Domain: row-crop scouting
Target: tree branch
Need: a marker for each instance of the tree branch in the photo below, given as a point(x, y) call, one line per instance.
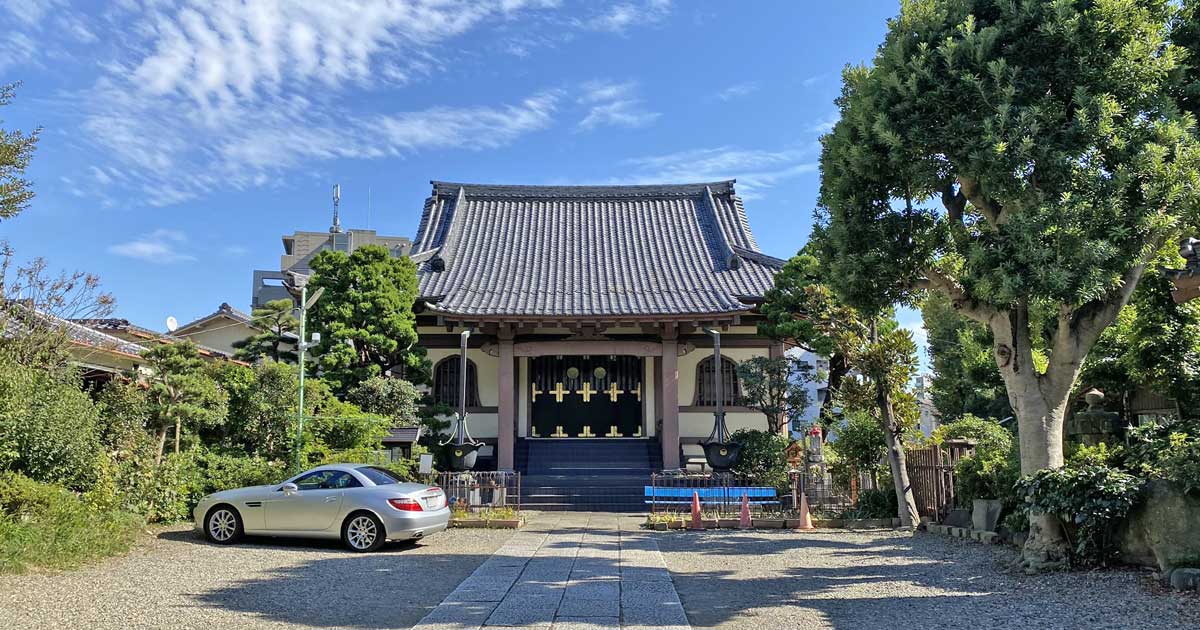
point(963, 303)
point(955, 203)
point(991, 211)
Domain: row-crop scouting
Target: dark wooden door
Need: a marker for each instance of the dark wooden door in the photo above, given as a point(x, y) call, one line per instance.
point(581, 396)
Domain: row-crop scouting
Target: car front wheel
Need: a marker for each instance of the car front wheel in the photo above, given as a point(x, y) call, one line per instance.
point(363, 532)
point(223, 525)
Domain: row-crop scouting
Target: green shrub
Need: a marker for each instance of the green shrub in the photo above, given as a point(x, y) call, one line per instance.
point(44, 525)
point(405, 467)
point(858, 446)
point(986, 477)
point(48, 426)
point(990, 438)
point(762, 460)
point(1088, 501)
point(1168, 450)
point(874, 504)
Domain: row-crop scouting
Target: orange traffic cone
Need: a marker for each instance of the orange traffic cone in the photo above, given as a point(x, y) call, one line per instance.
point(696, 511)
point(744, 520)
point(805, 518)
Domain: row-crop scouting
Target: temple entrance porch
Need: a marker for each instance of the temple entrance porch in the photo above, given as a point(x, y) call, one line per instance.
point(586, 397)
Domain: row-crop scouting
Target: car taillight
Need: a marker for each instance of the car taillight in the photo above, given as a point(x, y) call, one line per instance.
point(405, 504)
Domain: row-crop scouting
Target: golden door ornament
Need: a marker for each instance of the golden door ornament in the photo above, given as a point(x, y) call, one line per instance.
point(536, 391)
point(587, 391)
point(613, 392)
point(638, 391)
point(613, 432)
point(558, 432)
point(533, 431)
point(638, 432)
point(587, 432)
point(559, 392)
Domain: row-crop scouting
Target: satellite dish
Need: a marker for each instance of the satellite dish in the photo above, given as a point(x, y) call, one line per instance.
point(171, 323)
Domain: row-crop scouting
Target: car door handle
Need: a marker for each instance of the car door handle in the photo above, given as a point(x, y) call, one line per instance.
point(331, 499)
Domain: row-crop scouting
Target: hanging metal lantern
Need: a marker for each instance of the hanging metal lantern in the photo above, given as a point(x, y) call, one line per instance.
point(719, 451)
point(461, 449)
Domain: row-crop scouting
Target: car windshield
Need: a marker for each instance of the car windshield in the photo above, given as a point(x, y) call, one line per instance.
point(380, 476)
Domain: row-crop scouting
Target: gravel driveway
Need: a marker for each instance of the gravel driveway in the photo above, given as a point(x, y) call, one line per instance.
point(176, 580)
point(884, 579)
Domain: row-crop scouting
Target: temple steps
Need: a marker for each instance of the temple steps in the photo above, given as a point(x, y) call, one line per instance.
point(599, 475)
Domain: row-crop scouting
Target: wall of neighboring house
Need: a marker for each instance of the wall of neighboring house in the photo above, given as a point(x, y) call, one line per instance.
point(218, 333)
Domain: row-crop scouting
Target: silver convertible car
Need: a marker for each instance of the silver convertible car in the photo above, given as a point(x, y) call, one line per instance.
point(363, 505)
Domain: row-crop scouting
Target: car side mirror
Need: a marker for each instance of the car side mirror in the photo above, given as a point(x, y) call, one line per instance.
point(289, 488)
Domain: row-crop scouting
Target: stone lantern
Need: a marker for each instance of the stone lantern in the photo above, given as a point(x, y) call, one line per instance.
point(1095, 425)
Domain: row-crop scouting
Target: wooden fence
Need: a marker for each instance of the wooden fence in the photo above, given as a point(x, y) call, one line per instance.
point(931, 473)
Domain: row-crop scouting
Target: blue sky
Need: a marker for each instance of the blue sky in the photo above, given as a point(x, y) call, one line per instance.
point(181, 140)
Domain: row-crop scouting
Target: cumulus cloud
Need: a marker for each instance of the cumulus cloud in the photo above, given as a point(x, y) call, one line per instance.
point(159, 247)
point(738, 90)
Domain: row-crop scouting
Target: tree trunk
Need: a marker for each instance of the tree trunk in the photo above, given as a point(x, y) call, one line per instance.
point(162, 444)
point(1040, 403)
point(178, 424)
point(907, 504)
point(837, 372)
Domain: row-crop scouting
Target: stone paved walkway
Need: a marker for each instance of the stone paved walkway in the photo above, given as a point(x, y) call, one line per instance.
point(567, 572)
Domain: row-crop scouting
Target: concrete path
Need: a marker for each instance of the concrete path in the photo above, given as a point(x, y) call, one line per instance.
point(567, 572)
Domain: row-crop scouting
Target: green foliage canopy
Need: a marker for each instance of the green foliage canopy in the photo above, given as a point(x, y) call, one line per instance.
point(278, 325)
point(16, 149)
point(365, 318)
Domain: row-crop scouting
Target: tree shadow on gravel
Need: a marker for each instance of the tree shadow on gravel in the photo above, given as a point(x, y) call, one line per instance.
point(290, 544)
point(378, 590)
point(887, 582)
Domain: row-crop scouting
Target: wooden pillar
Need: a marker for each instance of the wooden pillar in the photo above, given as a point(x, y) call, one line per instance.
point(507, 408)
point(670, 398)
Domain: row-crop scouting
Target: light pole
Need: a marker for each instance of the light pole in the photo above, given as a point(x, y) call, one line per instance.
point(298, 287)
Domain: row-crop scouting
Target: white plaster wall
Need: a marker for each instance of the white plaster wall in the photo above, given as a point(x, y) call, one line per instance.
point(689, 361)
point(221, 334)
point(487, 370)
point(699, 424)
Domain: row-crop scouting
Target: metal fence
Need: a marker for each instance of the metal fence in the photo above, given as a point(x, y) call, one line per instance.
point(475, 491)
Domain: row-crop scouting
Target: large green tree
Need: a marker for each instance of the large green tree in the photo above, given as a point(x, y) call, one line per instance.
point(806, 312)
point(1021, 158)
point(16, 148)
point(365, 318)
point(277, 325)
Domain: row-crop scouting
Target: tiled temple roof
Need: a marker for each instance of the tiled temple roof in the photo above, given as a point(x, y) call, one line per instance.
point(588, 251)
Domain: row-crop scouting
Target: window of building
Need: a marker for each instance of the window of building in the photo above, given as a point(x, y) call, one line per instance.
point(706, 384)
point(445, 382)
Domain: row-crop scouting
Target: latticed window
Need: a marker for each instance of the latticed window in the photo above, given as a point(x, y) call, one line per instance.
point(706, 383)
point(445, 382)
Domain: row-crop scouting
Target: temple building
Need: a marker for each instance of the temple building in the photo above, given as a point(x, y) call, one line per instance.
point(588, 308)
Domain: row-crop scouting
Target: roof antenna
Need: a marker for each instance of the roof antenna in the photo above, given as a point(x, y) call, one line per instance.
point(336, 228)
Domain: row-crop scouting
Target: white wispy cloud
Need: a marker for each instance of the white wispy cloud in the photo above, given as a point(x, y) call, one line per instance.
point(159, 247)
point(756, 170)
point(813, 80)
point(620, 17)
point(824, 124)
point(614, 105)
point(738, 90)
point(227, 94)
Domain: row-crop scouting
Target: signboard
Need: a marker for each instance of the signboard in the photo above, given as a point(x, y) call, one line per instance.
point(425, 465)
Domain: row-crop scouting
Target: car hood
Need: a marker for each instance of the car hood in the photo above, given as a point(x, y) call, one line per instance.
point(241, 493)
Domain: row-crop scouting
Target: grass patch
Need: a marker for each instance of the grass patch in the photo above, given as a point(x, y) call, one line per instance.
point(45, 526)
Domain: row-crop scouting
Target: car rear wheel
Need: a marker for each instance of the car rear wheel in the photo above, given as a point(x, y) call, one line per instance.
point(223, 525)
point(363, 531)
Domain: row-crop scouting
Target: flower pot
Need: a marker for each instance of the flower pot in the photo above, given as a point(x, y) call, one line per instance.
point(662, 527)
point(710, 523)
point(985, 514)
point(470, 523)
point(504, 523)
point(768, 523)
point(727, 523)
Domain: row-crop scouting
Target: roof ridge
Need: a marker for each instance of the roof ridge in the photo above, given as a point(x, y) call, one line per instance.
point(446, 189)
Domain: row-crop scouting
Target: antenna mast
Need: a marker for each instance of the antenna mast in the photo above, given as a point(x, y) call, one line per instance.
point(336, 228)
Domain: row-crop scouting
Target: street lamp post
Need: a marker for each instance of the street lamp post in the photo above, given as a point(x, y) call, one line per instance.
point(298, 287)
